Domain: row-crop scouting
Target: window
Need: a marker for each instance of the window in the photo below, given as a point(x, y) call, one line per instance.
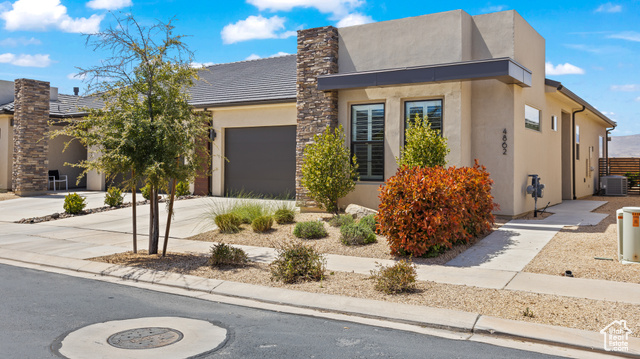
point(367, 140)
point(554, 123)
point(531, 118)
point(577, 142)
point(600, 147)
point(432, 108)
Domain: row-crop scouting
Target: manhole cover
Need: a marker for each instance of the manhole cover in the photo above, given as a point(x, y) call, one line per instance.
point(145, 338)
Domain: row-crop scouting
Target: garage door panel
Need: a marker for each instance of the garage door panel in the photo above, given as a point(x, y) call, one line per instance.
point(261, 160)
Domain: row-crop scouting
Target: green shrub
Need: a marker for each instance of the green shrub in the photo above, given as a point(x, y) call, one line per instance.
point(74, 203)
point(424, 210)
point(182, 189)
point(284, 216)
point(310, 230)
point(328, 170)
point(340, 220)
point(356, 234)
point(248, 210)
point(398, 278)
point(368, 221)
point(262, 224)
point(296, 262)
point(226, 255)
point(424, 147)
point(113, 197)
point(146, 191)
point(228, 222)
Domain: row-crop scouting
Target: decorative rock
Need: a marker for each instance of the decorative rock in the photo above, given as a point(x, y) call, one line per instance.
point(358, 211)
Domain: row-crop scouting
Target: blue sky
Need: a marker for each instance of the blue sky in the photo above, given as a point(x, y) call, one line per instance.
point(593, 47)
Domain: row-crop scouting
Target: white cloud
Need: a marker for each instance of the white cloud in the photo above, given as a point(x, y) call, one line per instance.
point(625, 88)
point(198, 65)
point(627, 35)
point(609, 7)
point(109, 4)
point(74, 76)
point(354, 19)
point(339, 8)
point(606, 113)
point(562, 69)
point(637, 99)
point(255, 57)
point(19, 41)
point(493, 8)
point(41, 15)
point(255, 27)
point(23, 60)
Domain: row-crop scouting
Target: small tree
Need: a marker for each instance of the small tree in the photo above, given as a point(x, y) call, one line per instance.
point(328, 170)
point(424, 147)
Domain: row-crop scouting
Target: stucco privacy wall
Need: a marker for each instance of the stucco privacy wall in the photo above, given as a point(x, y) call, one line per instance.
point(31, 116)
point(75, 153)
point(6, 151)
point(243, 116)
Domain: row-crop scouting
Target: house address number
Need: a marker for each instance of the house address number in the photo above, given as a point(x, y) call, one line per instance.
point(504, 141)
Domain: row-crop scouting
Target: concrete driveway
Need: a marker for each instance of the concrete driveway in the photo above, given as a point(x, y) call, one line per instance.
point(100, 233)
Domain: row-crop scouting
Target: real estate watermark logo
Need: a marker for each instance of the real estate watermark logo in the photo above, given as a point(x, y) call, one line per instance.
point(616, 336)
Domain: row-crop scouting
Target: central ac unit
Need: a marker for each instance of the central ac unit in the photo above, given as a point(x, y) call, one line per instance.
point(614, 185)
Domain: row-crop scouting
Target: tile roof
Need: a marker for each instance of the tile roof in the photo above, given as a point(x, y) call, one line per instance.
point(256, 81)
point(269, 79)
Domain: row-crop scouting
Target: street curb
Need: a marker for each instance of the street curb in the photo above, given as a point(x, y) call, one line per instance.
point(436, 318)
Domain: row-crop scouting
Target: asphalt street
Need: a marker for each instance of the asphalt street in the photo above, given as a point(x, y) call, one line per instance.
point(39, 308)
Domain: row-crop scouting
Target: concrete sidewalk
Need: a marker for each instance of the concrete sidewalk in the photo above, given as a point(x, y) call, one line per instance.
point(68, 243)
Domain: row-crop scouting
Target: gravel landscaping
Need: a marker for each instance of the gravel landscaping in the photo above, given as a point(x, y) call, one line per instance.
point(575, 313)
point(575, 248)
point(7, 195)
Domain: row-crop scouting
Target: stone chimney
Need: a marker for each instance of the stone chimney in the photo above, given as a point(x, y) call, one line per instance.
point(30, 145)
point(317, 55)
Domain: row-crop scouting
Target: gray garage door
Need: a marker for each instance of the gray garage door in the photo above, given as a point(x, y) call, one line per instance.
point(261, 160)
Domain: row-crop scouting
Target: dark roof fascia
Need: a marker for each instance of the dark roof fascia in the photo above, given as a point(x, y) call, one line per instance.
point(565, 91)
point(243, 103)
point(504, 69)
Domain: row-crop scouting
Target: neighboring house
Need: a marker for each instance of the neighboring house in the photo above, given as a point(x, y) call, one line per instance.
point(480, 79)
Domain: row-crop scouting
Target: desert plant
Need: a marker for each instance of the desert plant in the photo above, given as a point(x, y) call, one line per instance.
point(262, 224)
point(182, 189)
point(74, 203)
point(368, 221)
point(146, 191)
point(398, 278)
point(424, 147)
point(228, 222)
point(225, 255)
point(340, 220)
point(356, 234)
point(284, 216)
point(296, 262)
point(528, 313)
point(328, 170)
point(310, 230)
point(113, 197)
point(248, 210)
point(425, 209)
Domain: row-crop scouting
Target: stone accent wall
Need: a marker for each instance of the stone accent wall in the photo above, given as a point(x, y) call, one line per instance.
point(317, 55)
point(30, 146)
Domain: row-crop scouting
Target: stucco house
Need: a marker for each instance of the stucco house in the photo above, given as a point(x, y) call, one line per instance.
point(479, 79)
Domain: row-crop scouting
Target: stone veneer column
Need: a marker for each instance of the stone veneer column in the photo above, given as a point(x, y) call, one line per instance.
point(317, 55)
point(30, 145)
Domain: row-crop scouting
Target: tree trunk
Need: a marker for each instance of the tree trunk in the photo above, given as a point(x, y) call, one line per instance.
point(154, 233)
point(166, 233)
point(133, 207)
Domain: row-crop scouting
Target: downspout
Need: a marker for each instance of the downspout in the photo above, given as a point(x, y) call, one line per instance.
point(573, 151)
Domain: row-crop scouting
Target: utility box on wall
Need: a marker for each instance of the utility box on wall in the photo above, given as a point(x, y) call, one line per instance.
point(629, 239)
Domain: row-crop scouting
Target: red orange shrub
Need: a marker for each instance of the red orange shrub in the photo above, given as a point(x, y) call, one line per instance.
point(423, 210)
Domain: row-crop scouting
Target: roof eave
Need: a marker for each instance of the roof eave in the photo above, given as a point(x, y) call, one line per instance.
point(565, 91)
